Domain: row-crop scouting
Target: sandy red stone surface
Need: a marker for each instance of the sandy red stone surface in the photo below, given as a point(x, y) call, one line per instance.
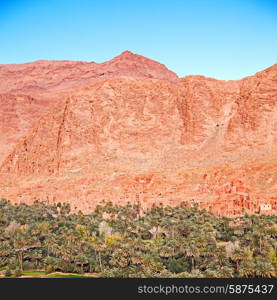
point(130, 130)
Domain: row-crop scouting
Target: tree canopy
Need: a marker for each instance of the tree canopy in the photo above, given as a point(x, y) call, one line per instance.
point(113, 241)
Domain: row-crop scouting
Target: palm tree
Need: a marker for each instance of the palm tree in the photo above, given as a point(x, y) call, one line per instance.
point(237, 256)
point(247, 269)
point(192, 253)
point(264, 269)
point(98, 248)
point(225, 272)
point(81, 259)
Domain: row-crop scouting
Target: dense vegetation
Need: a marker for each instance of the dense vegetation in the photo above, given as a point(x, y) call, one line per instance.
point(113, 241)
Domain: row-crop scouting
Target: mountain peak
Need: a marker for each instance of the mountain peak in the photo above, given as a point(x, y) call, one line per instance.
point(127, 52)
point(135, 65)
point(129, 55)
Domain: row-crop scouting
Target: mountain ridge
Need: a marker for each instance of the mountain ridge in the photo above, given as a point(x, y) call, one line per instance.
point(192, 139)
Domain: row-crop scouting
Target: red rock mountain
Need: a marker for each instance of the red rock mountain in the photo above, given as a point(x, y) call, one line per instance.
point(131, 130)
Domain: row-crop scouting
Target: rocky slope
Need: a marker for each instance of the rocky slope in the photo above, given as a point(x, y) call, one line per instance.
point(139, 133)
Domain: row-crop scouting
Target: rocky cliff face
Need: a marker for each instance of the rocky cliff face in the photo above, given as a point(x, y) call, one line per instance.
point(139, 133)
point(18, 113)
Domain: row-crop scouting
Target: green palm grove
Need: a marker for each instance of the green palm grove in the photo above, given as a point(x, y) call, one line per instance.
point(165, 242)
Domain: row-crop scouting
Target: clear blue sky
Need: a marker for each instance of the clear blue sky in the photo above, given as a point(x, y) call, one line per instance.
point(225, 39)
